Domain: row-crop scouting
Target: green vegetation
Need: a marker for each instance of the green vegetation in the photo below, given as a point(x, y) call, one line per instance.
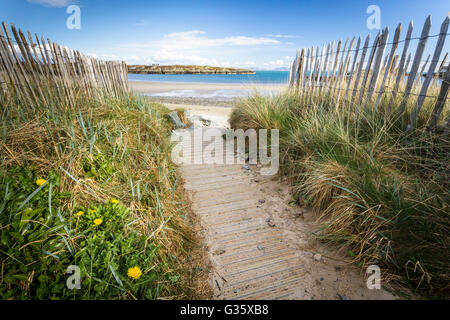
point(92, 186)
point(378, 191)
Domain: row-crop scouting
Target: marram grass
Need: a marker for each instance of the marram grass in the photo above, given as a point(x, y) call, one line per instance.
point(379, 191)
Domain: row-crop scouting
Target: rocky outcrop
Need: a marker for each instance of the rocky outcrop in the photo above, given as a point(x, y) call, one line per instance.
point(179, 69)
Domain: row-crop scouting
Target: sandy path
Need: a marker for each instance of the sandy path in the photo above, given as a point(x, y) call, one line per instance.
point(259, 242)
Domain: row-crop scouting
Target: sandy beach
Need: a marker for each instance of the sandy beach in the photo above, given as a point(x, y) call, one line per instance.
point(150, 87)
point(200, 94)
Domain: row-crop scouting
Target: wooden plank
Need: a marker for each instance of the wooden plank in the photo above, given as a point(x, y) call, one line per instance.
point(30, 74)
point(429, 76)
point(299, 70)
point(305, 75)
point(344, 71)
point(359, 72)
point(313, 79)
point(319, 72)
point(366, 73)
point(331, 83)
point(377, 65)
point(307, 72)
point(339, 70)
point(12, 72)
point(439, 106)
point(402, 67)
point(16, 62)
point(389, 63)
point(52, 69)
point(125, 75)
point(441, 66)
point(352, 70)
point(20, 38)
point(311, 72)
point(416, 62)
point(325, 70)
point(291, 74)
point(59, 71)
point(40, 64)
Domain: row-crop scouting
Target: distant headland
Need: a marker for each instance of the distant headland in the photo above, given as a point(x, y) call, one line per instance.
point(182, 69)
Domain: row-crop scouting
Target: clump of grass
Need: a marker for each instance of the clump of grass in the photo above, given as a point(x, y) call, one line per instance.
point(378, 190)
point(102, 149)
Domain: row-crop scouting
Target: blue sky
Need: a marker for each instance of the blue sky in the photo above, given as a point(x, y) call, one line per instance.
point(255, 34)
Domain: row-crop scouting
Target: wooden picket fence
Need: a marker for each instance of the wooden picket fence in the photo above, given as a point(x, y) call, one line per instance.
point(363, 77)
point(36, 73)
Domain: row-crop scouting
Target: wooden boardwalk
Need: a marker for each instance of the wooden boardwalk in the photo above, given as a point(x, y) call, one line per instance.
point(251, 258)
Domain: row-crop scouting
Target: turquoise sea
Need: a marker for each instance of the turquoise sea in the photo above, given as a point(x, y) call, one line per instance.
point(266, 77)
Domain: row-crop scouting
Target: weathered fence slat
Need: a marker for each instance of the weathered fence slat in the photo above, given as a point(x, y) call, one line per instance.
point(349, 80)
point(344, 70)
point(377, 65)
point(35, 72)
point(368, 66)
point(443, 93)
point(389, 62)
point(401, 67)
point(325, 69)
point(429, 76)
point(381, 77)
point(358, 74)
point(416, 62)
point(339, 70)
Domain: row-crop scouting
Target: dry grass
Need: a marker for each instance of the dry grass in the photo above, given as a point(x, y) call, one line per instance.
point(113, 148)
point(377, 190)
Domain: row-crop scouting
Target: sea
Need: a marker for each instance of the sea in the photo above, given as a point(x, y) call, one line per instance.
point(260, 77)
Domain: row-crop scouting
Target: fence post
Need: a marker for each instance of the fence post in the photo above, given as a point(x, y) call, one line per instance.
point(439, 106)
point(429, 76)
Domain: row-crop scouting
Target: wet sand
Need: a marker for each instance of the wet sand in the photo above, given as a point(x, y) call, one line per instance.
point(150, 87)
point(199, 94)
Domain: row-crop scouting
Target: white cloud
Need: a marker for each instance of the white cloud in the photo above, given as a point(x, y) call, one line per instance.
point(280, 36)
point(198, 48)
point(195, 39)
point(191, 47)
point(54, 3)
point(279, 64)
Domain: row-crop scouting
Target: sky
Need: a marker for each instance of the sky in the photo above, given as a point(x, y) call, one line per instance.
point(260, 35)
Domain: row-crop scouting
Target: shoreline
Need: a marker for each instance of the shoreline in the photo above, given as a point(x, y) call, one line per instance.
point(199, 93)
point(146, 86)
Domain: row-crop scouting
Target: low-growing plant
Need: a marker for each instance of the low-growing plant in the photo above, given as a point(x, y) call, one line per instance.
point(103, 195)
point(39, 242)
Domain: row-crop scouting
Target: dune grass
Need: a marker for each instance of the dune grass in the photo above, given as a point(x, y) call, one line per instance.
point(379, 192)
point(93, 186)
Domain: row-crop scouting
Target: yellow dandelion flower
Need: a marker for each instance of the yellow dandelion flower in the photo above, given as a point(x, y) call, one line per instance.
point(134, 272)
point(79, 213)
point(40, 182)
point(115, 201)
point(97, 222)
point(92, 211)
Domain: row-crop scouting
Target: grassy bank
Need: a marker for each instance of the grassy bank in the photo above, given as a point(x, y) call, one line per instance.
point(92, 186)
point(379, 193)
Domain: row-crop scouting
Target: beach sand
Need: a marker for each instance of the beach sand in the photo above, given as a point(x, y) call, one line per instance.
point(216, 109)
point(147, 87)
point(199, 94)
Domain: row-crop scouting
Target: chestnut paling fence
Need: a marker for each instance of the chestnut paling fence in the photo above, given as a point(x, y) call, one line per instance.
point(364, 76)
point(35, 72)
